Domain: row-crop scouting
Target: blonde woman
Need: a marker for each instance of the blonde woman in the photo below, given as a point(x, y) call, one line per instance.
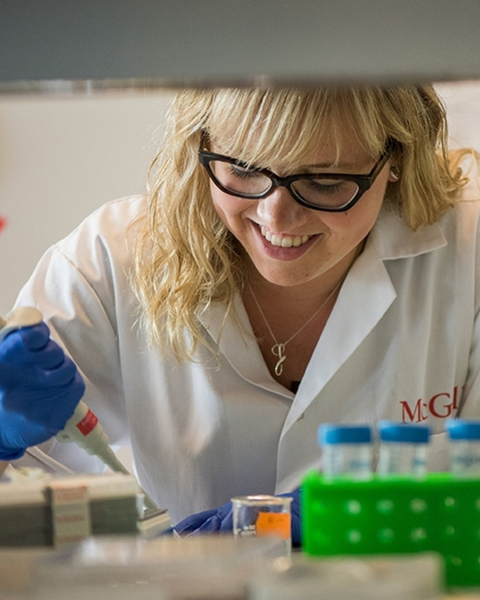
point(304, 256)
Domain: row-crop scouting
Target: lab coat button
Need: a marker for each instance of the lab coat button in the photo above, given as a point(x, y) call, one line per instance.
point(300, 418)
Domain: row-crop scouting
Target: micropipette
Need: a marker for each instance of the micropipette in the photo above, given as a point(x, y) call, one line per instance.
point(24, 316)
point(83, 427)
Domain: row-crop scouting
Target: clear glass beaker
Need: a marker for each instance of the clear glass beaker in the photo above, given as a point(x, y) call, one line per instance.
point(263, 515)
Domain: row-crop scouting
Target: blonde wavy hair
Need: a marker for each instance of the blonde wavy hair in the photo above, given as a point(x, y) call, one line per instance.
point(185, 258)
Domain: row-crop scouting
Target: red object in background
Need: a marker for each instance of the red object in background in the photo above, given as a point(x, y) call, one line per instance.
point(3, 222)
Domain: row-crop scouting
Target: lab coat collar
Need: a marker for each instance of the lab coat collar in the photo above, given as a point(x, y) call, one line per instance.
point(364, 298)
point(392, 238)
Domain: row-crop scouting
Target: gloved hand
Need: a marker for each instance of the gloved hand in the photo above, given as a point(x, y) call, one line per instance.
point(39, 390)
point(220, 520)
point(208, 521)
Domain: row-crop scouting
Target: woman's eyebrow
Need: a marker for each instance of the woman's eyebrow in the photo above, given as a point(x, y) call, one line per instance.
point(331, 165)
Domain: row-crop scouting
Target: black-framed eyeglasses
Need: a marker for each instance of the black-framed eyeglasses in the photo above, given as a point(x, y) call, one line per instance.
point(329, 192)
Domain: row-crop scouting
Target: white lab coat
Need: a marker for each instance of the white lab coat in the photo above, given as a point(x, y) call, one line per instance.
point(402, 343)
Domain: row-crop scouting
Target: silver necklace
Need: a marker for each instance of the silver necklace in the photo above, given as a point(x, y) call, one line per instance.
point(278, 349)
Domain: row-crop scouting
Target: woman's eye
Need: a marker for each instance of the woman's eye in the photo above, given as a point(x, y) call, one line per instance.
point(322, 186)
point(243, 172)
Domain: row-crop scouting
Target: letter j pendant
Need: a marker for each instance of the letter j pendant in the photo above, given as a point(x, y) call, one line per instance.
point(279, 350)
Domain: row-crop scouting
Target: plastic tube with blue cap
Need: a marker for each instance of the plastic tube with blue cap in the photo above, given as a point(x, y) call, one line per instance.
point(346, 451)
point(403, 449)
point(464, 439)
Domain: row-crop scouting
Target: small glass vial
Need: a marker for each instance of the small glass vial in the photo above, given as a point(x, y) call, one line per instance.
point(403, 449)
point(346, 451)
point(464, 439)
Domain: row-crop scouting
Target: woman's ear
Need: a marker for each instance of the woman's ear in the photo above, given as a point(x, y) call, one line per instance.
point(394, 175)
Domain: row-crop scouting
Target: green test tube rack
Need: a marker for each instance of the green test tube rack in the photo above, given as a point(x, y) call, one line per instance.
point(396, 515)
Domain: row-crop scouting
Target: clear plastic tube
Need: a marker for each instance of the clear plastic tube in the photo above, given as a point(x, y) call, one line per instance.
point(403, 449)
point(464, 439)
point(346, 451)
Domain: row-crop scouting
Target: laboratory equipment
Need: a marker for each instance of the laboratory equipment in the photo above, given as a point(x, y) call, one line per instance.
point(24, 316)
point(464, 439)
point(346, 450)
point(396, 515)
point(393, 578)
point(118, 567)
point(403, 449)
point(263, 515)
point(51, 511)
point(81, 46)
point(84, 429)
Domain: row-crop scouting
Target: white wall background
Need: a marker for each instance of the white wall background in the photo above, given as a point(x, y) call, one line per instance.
point(462, 100)
point(62, 157)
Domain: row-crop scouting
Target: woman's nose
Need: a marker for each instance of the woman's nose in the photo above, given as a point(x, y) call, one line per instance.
point(281, 211)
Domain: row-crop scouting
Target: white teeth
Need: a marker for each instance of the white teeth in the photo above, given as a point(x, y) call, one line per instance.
point(275, 240)
point(284, 242)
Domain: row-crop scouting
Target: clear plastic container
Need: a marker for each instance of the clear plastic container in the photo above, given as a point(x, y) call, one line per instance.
point(346, 450)
point(464, 439)
point(403, 449)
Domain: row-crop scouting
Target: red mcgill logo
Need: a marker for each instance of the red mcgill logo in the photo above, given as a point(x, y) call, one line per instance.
point(440, 406)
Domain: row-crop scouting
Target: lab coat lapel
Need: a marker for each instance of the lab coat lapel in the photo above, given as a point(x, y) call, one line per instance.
point(364, 298)
point(367, 285)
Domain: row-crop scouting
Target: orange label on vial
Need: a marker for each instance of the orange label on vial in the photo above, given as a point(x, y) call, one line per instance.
point(274, 524)
point(88, 422)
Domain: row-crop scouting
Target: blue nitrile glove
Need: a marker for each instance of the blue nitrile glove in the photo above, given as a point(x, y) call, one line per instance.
point(39, 389)
point(220, 520)
point(208, 521)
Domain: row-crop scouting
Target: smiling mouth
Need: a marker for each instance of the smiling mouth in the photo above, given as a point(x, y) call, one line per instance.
point(284, 241)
